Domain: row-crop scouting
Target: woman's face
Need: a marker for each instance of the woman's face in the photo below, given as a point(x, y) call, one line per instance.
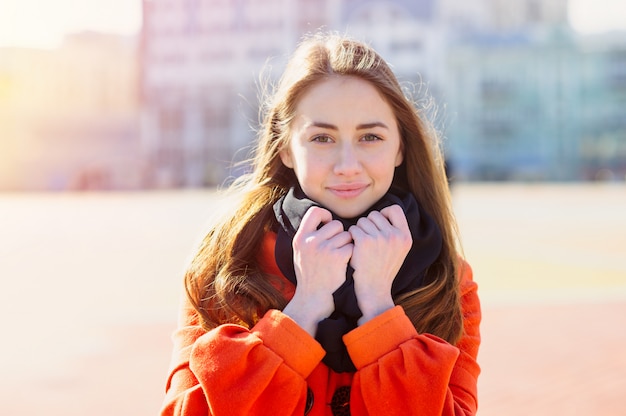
point(344, 145)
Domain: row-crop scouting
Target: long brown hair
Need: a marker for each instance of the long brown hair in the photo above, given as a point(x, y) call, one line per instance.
point(225, 282)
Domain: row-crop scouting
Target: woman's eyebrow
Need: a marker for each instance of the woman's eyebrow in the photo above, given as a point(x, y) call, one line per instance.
point(367, 126)
point(322, 125)
point(364, 126)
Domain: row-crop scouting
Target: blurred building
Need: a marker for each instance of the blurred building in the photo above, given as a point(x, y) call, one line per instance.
point(201, 61)
point(407, 33)
point(516, 106)
point(68, 116)
point(536, 103)
point(603, 115)
point(196, 59)
point(501, 16)
point(529, 99)
point(510, 89)
point(520, 95)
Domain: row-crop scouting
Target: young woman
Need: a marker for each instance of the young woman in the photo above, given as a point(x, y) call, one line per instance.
point(334, 287)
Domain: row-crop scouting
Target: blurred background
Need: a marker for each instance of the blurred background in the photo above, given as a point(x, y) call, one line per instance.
point(119, 118)
point(164, 93)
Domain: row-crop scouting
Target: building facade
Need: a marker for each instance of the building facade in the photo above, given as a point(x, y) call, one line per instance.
point(204, 63)
point(518, 95)
point(603, 116)
point(199, 85)
point(515, 107)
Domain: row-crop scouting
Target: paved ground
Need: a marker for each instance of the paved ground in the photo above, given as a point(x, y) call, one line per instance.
point(89, 286)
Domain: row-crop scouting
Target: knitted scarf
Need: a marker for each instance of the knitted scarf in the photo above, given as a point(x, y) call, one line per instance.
point(427, 241)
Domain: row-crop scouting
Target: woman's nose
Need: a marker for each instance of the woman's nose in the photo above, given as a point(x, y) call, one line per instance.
point(347, 161)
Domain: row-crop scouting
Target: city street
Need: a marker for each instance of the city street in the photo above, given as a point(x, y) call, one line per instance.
point(89, 287)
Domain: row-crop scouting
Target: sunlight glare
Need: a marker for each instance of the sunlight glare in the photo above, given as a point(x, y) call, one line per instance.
point(596, 16)
point(43, 24)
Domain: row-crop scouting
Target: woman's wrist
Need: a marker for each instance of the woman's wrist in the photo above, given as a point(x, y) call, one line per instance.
point(307, 312)
point(372, 306)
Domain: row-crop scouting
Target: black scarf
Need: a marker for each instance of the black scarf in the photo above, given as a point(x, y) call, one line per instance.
point(427, 240)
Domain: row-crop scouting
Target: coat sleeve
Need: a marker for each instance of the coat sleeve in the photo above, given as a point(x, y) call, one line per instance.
point(406, 373)
point(231, 370)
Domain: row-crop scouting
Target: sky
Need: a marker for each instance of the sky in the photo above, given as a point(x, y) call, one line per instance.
point(43, 23)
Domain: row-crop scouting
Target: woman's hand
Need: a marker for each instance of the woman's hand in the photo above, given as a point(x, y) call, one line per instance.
point(320, 258)
point(381, 242)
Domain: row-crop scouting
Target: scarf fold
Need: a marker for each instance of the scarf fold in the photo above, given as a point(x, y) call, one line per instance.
point(426, 247)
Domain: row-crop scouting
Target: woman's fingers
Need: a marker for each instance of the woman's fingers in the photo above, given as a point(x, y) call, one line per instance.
point(322, 249)
point(381, 243)
point(313, 218)
point(396, 217)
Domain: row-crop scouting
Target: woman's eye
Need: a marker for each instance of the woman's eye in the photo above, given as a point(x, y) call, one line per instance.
point(370, 138)
point(322, 139)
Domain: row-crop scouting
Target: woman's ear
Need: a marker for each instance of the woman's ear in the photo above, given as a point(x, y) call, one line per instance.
point(285, 156)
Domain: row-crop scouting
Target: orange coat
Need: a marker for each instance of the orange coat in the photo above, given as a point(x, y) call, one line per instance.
point(266, 370)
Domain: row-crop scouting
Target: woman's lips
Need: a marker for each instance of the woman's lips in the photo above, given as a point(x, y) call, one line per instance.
point(347, 191)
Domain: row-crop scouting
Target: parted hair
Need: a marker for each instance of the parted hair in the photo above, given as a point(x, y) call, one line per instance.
point(225, 282)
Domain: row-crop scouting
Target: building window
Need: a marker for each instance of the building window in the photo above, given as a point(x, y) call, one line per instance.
point(216, 117)
point(170, 120)
point(496, 92)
